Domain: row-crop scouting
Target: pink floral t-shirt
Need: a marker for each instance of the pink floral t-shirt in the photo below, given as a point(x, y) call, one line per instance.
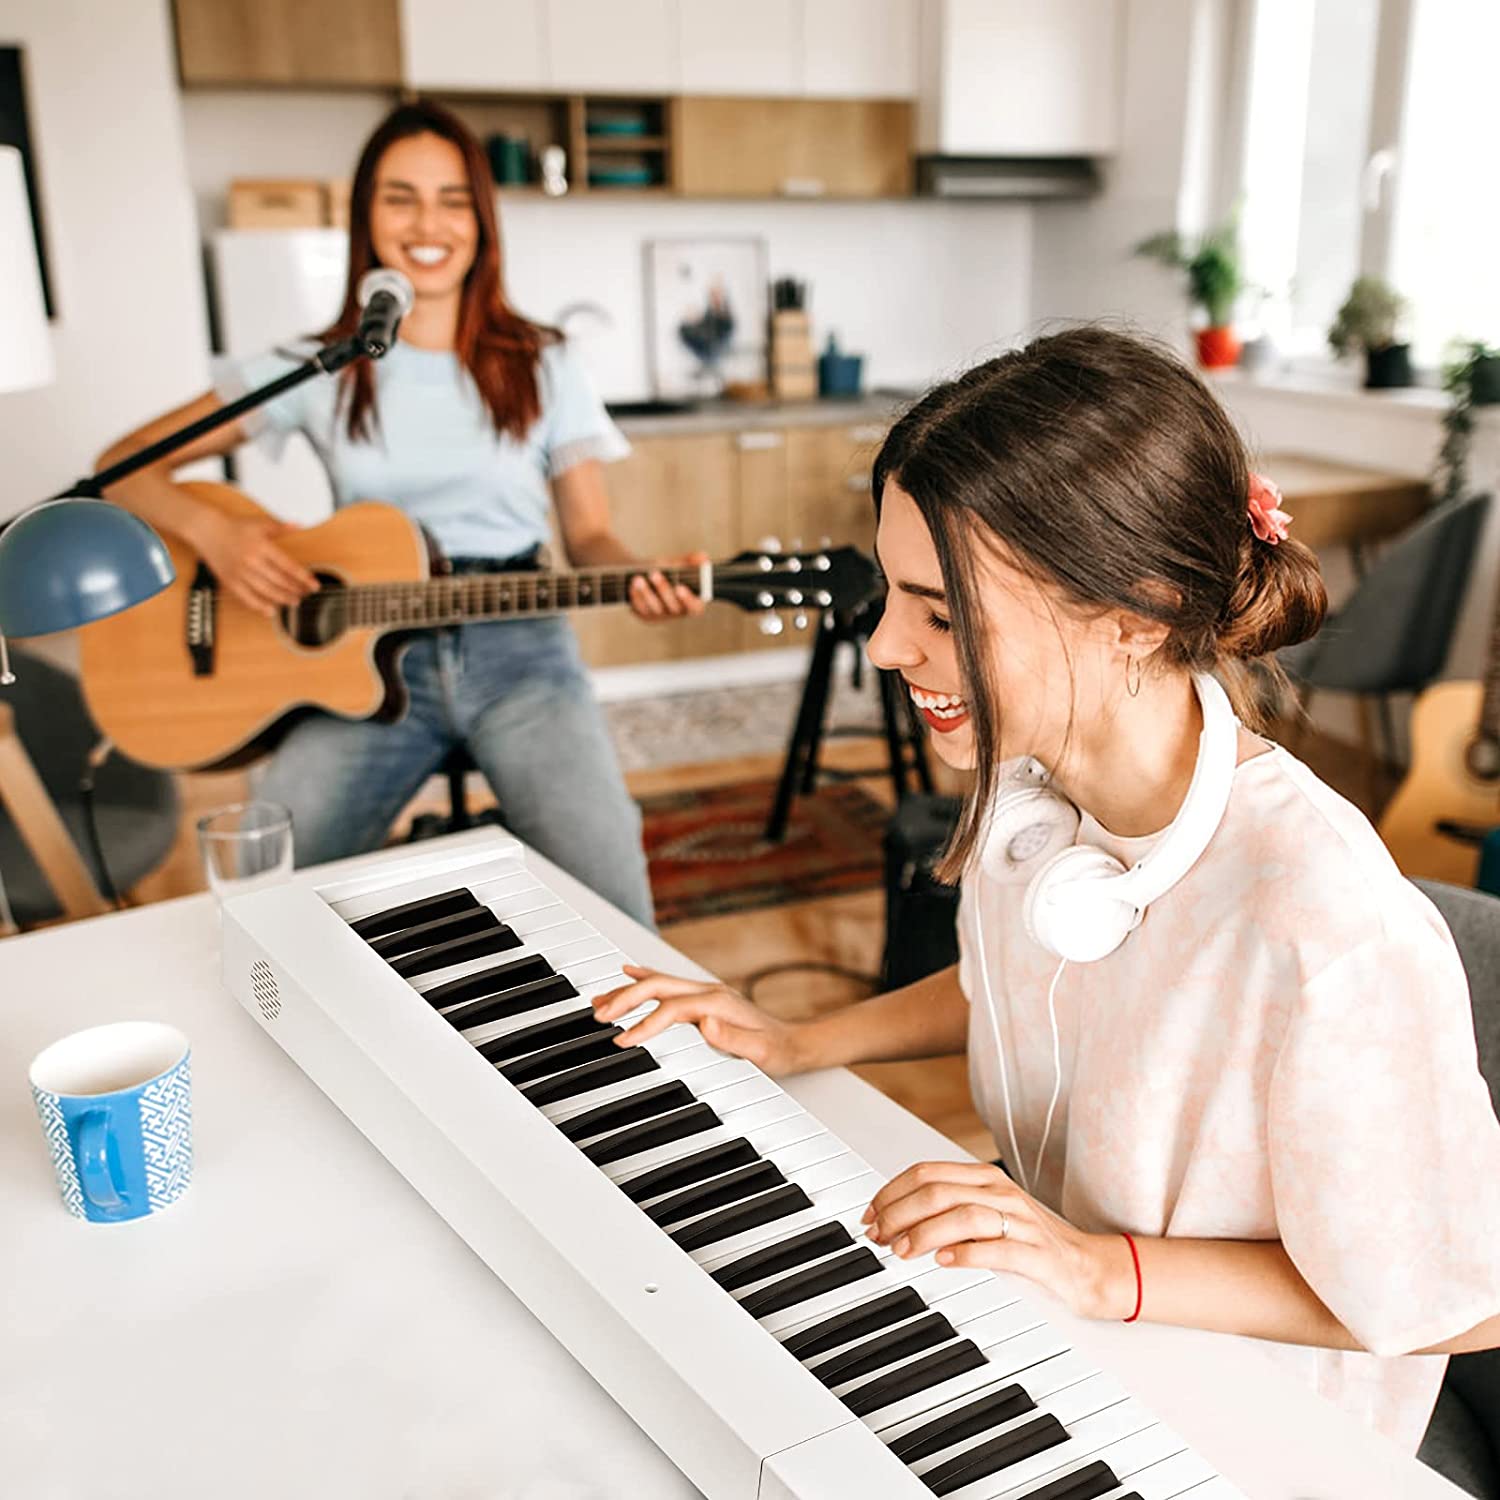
point(1284, 1049)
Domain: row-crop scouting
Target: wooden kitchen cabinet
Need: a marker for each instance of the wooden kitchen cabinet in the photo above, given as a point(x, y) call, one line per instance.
point(726, 492)
point(301, 42)
point(830, 482)
point(671, 495)
point(769, 148)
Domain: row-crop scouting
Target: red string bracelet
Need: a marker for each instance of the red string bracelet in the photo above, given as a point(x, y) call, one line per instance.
point(1139, 1288)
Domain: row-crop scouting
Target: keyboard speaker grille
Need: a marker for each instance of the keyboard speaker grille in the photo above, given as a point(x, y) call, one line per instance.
point(263, 985)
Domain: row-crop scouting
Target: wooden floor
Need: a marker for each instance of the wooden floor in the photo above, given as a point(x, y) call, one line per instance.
point(846, 931)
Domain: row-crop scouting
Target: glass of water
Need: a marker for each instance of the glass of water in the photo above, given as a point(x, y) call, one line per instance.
point(246, 846)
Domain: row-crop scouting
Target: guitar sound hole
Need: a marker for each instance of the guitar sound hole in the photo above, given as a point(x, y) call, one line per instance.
point(1483, 758)
point(317, 620)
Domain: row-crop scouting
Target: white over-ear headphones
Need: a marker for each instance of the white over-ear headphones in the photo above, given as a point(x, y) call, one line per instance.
point(1081, 902)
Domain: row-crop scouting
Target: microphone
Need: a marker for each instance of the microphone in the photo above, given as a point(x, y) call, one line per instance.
point(386, 297)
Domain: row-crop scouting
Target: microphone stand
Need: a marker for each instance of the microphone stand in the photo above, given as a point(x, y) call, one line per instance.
point(327, 361)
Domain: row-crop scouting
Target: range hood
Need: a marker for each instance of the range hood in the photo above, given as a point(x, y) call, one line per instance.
point(1022, 177)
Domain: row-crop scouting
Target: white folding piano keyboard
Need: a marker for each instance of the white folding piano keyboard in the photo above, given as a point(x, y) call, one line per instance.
point(686, 1230)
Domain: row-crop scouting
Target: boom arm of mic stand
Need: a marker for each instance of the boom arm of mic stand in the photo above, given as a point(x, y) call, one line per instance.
point(328, 360)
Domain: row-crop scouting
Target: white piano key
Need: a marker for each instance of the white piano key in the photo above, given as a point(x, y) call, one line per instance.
point(1086, 1438)
point(566, 947)
point(1003, 1362)
point(716, 1077)
point(1217, 1488)
point(1151, 1444)
point(745, 1124)
point(1070, 1408)
point(1167, 1478)
point(754, 1089)
point(515, 899)
point(592, 971)
point(826, 1204)
point(806, 1153)
point(367, 903)
point(537, 926)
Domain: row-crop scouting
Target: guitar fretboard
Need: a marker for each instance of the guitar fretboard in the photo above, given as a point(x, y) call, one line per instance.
point(488, 596)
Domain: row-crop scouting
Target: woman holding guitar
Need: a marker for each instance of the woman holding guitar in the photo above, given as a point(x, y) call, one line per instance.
point(474, 424)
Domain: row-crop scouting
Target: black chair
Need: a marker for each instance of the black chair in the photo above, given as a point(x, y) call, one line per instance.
point(1463, 1438)
point(136, 807)
point(1393, 633)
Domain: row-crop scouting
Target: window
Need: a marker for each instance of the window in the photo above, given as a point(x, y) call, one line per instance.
point(1365, 146)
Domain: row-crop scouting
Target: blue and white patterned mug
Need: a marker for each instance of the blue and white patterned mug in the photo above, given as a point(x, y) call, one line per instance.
point(116, 1104)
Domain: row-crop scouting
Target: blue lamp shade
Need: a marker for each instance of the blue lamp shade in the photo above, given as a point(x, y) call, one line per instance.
point(66, 563)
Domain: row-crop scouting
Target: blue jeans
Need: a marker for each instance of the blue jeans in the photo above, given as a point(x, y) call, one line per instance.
point(515, 692)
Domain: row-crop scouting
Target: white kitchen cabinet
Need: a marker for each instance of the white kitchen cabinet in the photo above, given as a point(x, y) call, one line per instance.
point(620, 47)
point(859, 49)
point(485, 45)
point(1019, 78)
point(748, 47)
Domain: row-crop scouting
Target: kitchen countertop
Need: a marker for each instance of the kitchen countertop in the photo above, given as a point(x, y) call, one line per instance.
point(879, 408)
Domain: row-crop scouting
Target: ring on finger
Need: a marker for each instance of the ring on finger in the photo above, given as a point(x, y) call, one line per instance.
point(1004, 1224)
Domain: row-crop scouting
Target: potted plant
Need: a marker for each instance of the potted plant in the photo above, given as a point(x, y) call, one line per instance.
point(1214, 283)
point(1370, 319)
point(1471, 377)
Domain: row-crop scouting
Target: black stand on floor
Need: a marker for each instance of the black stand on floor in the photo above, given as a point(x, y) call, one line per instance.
point(908, 754)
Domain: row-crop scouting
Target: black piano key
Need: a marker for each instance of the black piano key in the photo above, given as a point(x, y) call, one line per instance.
point(491, 981)
point(886, 1348)
point(630, 1110)
point(931, 1369)
point(990, 1410)
point(1087, 1483)
point(659, 1132)
point(562, 1056)
point(802, 1286)
point(784, 1255)
point(456, 951)
point(999, 1453)
point(855, 1322)
point(513, 1002)
point(439, 930)
point(542, 1034)
point(739, 1217)
point(687, 1170)
point(586, 1077)
point(732, 1187)
point(394, 918)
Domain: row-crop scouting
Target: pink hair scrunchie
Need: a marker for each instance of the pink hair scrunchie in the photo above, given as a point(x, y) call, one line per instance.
point(1267, 520)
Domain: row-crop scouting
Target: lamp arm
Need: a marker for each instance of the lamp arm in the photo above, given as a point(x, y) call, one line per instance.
point(328, 360)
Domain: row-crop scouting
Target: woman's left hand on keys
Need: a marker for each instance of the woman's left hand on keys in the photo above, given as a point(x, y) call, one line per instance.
point(652, 597)
point(970, 1214)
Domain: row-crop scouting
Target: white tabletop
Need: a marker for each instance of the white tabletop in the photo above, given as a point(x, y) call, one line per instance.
point(302, 1324)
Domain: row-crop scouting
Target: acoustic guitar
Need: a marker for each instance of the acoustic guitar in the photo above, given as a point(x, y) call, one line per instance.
point(194, 680)
point(1451, 795)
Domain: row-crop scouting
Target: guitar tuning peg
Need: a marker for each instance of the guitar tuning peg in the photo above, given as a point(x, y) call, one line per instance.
point(771, 624)
point(765, 599)
point(796, 544)
point(768, 544)
point(799, 621)
point(824, 543)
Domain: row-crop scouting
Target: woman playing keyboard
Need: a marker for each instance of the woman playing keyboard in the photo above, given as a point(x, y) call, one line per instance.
point(1226, 1047)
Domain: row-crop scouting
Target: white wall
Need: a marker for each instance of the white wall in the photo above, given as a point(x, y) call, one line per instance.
point(921, 289)
point(129, 335)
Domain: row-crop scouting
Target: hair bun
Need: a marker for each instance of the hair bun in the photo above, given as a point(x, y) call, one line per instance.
point(1278, 599)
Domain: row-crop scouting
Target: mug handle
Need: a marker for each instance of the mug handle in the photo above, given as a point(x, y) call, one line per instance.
point(94, 1175)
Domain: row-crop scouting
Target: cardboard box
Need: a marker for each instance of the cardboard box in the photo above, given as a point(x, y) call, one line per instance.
point(336, 202)
point(275, 203)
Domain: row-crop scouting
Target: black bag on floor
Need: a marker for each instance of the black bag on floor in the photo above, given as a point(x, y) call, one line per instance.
point(921, 914)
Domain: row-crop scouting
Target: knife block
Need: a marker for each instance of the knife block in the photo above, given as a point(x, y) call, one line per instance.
point(794, 371)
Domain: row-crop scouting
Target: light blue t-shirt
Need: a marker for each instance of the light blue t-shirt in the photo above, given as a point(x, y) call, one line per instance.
point(435, 452)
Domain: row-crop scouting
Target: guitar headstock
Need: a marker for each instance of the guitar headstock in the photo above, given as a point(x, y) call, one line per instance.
point(767, 579)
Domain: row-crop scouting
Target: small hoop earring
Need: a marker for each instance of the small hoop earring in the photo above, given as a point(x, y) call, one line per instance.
point(1132, 688)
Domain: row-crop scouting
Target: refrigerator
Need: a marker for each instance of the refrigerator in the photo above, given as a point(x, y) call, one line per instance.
point(271, 286)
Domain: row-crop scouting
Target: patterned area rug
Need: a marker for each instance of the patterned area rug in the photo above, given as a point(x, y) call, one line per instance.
point(708, 853)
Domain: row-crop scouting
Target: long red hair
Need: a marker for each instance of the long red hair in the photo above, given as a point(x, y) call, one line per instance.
point(498, 347)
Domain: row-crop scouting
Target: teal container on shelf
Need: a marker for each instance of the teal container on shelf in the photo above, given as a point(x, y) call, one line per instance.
point(839, 374)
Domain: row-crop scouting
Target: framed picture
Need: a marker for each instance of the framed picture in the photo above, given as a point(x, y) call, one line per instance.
point(707, 314)
point(15, 131)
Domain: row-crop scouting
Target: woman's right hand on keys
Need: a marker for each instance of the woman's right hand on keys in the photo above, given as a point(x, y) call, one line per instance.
point(725, 1018)
point(243, 554)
